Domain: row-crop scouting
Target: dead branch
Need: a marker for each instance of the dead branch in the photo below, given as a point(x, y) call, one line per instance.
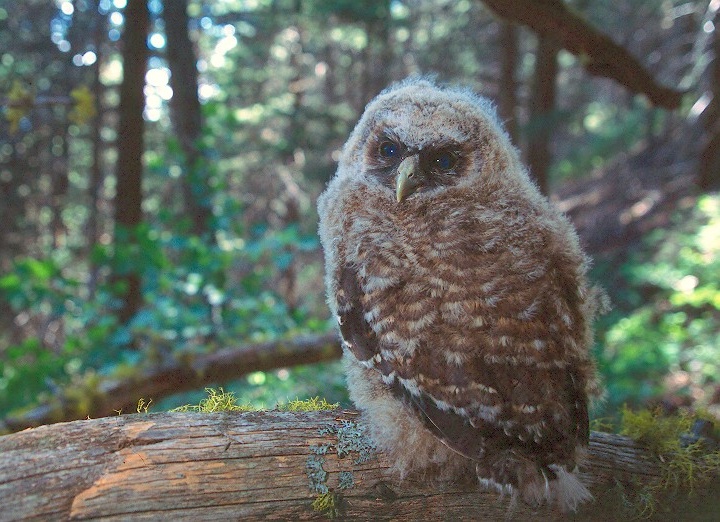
point(598, 53)
point(183, 374)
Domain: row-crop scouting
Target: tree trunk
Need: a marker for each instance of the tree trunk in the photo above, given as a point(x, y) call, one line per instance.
point(130, 147)
point(542, 105)
point(275, 465)
point(709, 177)
point(60, 183)
point(94, 223)
point(507, 90)
point(186, 115)
point(377, 54)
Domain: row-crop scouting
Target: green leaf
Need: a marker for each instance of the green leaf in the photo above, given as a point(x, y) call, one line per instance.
point(10, 282)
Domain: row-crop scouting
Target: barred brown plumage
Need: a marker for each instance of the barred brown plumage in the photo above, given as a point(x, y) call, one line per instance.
point(461, 298)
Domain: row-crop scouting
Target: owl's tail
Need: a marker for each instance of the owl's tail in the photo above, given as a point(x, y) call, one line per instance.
point(564, 490)
point(567, 490)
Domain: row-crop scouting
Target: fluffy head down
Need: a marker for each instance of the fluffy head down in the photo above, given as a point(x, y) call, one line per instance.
point(461, 298)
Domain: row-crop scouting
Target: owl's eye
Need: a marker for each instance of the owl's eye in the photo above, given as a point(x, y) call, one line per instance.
point(444, 160)
point(388, 149)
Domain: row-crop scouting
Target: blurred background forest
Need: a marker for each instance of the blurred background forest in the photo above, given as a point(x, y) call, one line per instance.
point(160, 162)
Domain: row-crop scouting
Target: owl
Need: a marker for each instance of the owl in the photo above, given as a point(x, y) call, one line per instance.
point(461, 298)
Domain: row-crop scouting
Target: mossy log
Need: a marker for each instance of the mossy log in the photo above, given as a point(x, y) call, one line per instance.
point(271, 465)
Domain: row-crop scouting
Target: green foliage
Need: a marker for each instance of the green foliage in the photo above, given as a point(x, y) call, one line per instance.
point(274, 387)
point(191, 300)
point(198, 297)
point(351, 11)
point(664, 328)
point(30, 282)
point(31, 369)
point(20, 99)
point(608, 130)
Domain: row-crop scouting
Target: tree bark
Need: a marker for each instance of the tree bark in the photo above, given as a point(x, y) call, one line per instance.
point(111, 395)
point(599, 54)
point(542, 105)
point(130, 147)
point(273, 465)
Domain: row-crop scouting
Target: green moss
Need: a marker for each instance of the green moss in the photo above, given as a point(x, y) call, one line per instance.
point(220, 400)
point(603, 424)
point(312, 404)
point(143, 407)
point(217, 400)
point(328, 504)
point(684, 459)
point(660, 433)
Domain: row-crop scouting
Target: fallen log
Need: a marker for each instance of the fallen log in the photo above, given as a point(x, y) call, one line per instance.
point(274, 465)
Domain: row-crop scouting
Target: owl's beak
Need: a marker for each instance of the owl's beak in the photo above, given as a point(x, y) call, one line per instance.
point(407, 180)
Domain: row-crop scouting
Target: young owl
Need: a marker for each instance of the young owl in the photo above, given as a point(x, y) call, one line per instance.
point(461, 298)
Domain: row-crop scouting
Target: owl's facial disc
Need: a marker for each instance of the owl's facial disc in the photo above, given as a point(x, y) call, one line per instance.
point(410, 169)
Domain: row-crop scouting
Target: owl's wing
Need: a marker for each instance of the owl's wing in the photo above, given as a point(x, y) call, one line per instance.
point(463, 431)
point(473, 437)
point(357, 335)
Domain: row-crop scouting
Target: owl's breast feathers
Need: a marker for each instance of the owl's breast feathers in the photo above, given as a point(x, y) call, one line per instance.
point(474, 319)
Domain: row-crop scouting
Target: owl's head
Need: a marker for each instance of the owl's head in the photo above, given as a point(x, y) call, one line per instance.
point(417, 139)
